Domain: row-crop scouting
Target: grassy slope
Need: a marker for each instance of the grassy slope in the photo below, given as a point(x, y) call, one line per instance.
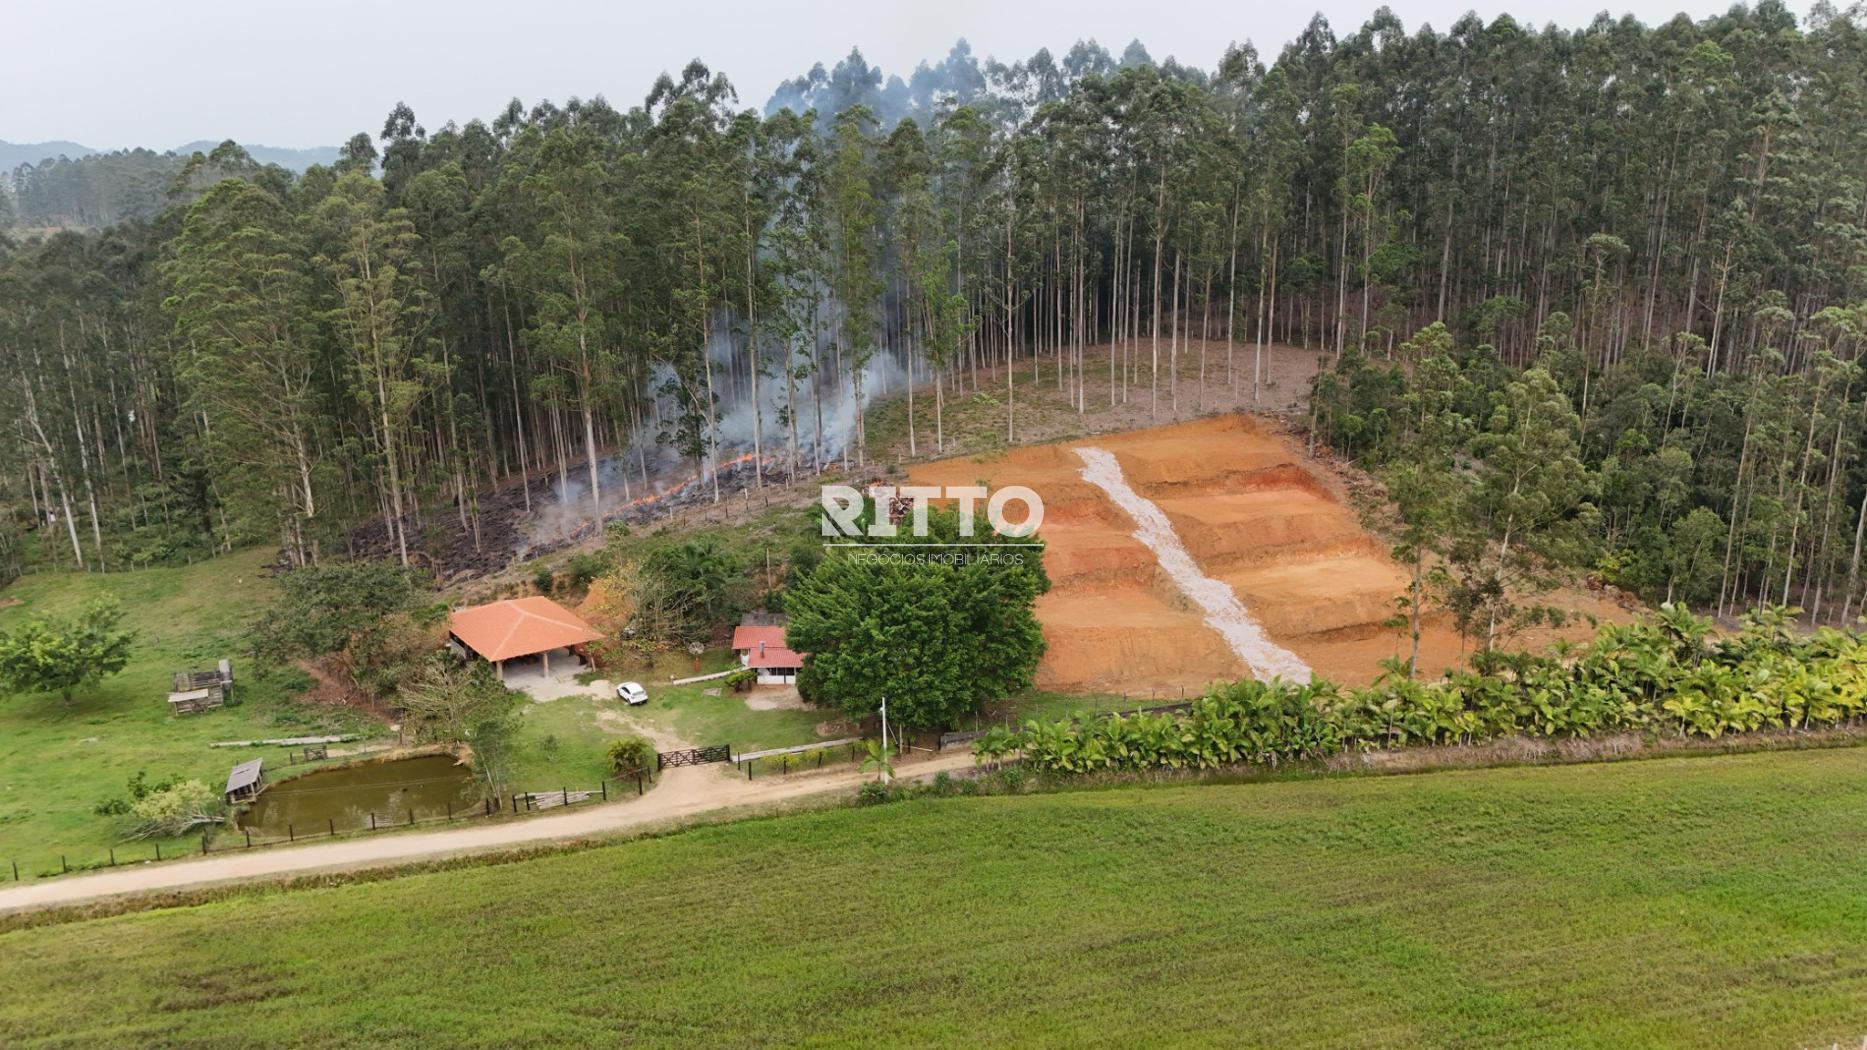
point(55, 764)
point(1686, 902)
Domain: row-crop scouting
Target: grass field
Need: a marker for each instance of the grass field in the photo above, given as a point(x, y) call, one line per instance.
point(1681, 902)
point(565, 741)
point(57, 763)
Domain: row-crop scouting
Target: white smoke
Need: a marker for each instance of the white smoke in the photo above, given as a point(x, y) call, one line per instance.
point(651, 465)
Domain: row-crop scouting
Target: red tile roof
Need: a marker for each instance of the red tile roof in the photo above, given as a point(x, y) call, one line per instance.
point(773, 656)
point(520, 627)
point(746, 637)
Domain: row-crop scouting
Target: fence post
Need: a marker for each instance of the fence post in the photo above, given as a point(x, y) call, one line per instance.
point(204, 843)
point(372, 822)
point(333, 822)
point(158, 851)
point(291, 833)
point(63, 867)
point(638, 783)
point(16, 871)
point(450, 811)
point(411, 816)
point(249, 837)
point(113, 856)
point(566, 792)
point(604, 786)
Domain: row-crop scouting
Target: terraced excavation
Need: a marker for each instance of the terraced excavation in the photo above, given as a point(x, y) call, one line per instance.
point(1252, 515)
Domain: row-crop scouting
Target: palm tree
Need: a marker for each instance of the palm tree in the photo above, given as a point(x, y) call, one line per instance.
point(880, 758)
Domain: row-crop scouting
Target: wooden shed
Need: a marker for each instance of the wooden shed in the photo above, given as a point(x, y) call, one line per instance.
point(192, 692)
point(245, 781)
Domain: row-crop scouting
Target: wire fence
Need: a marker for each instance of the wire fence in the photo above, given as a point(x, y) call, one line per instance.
point(779, 761)
point(235, 839)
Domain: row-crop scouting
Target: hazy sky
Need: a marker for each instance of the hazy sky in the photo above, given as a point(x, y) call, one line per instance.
point(110, 73)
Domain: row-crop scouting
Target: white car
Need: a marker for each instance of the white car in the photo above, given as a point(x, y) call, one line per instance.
point(632, 693)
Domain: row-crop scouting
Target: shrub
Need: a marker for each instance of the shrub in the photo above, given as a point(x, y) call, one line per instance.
point(1013, 778)
point(1661, 675)
point(586, 566)
point(631, 755)
point(176, 808)
point(138, 788)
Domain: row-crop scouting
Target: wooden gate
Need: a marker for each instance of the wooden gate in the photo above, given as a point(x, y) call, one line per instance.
point(693, 756)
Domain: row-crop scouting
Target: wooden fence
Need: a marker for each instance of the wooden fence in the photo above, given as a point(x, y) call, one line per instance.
point(694, 756)
point(801, 756)
point(239, 839)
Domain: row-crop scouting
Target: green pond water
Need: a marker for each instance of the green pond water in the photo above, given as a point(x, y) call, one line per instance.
point(426, 786)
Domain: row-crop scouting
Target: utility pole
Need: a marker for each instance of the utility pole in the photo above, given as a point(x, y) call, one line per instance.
point(884, 740)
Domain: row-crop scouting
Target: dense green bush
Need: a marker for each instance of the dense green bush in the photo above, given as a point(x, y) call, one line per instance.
point(937, 633)
point(176, 808)
point(631, 755)
point(1662, 675)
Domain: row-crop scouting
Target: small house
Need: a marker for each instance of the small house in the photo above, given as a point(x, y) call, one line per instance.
point(761, 647)
point(245, 781)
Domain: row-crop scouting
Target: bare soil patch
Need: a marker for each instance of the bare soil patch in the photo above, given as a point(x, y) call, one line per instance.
point(775, 698)
point(1255, 512)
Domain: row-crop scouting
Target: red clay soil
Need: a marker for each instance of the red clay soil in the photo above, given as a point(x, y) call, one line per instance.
point(1252, 513)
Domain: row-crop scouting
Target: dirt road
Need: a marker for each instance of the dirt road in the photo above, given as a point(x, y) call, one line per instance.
point(684, 792)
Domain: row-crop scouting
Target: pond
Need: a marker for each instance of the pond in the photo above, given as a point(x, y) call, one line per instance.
point(349, 796)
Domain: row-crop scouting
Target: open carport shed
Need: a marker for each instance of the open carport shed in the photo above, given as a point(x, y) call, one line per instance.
point(245, 780)
point(519, 627)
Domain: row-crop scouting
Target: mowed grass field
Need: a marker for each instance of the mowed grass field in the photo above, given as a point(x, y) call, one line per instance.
point(57, 763)
point(1699, 902)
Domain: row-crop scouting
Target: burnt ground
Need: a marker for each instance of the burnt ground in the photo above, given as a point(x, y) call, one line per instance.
point(974, 421)
point(508, 532)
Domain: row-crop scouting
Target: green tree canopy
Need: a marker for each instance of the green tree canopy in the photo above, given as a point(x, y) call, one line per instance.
point(337, 607)
point(936, 630)
point(57, 654)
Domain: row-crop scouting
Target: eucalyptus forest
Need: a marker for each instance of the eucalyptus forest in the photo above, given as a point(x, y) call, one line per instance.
point(1632, 257)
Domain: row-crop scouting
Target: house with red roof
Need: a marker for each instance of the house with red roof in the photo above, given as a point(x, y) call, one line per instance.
point(761, 647)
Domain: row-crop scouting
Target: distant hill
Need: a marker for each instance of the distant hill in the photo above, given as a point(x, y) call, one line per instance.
point(13, 154)
point(283, 156)
point(63, 185)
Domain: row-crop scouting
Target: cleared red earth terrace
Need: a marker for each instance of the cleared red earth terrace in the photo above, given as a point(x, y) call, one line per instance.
point(1254, 515)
